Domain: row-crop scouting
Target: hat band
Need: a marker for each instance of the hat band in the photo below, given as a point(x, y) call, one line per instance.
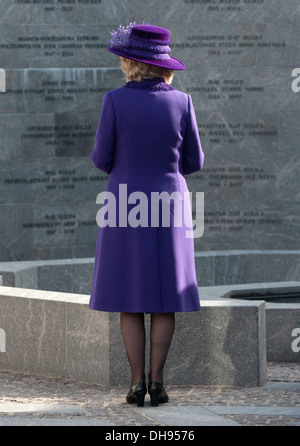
point(148, 43)
point(133, 52)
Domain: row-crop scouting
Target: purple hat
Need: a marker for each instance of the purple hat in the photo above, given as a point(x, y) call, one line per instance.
point(144, 43)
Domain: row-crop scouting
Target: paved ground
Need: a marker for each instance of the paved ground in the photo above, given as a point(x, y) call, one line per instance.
point(29, 400)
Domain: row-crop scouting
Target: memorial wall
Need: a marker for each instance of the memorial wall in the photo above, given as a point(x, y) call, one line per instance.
point(240, 55)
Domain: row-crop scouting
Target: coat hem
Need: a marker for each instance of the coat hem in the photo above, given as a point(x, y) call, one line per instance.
point(170, 310)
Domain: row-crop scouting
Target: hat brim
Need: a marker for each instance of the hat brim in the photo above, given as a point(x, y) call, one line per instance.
point(171, 64)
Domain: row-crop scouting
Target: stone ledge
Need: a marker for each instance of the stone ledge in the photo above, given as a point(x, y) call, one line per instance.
point(281, 318)
point(213, 268)
point(56, 334)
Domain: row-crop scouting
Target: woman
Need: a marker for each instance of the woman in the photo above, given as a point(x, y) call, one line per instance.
point(147, 140)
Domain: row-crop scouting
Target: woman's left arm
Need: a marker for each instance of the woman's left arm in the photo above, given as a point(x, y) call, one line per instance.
point(193, 156)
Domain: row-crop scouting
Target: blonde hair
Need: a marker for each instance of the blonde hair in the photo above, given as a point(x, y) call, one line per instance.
point(137, 71)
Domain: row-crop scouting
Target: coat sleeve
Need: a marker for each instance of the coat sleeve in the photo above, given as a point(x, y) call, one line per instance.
point(192, 154)
point(102, 155)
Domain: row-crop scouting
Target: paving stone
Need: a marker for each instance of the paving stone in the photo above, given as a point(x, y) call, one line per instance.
point(32, 407)
point(40, 421)
point(250, 410)
point(90, 404)
point(185, 416)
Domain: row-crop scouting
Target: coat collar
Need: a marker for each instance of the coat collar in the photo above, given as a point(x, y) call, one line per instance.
point(153, 84)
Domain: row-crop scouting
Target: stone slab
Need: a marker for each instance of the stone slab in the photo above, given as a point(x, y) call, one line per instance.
point(53, 230)
point(65, 12)
point(75, 45)
point(281, 321)
point(282, 317)
point(185, 416)
point(58, 135)
point(45, 414)
point(249, 266)
point(195, 12)
point(59, 45)
point(52, 421)
point(61, 90)
point(76, 275)
point(98, 11)
point(250, 410)
point(219, 335)
point(48, 338)
point(35, 339)
point(41, 408)
point(51, 183)
point(57, 69)
point(287, 386)
point(213, 268)
point(56, 334)
point(89, 348)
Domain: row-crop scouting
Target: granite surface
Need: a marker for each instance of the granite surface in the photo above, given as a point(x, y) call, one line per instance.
point(28, 400)
point(239, 57)
point(56, 334)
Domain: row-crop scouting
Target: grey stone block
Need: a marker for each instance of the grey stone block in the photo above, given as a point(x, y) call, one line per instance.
point(234, 267)
point(58, 68)
point(116, 12)
point(41, 414)
point(27, 278)
point(239, 44)
point(250, 410)
point(88, 344)
point(82, 11)
point(63, 90)
point(195, 12)
point(282, 316)
point(33, 407)
point(69, 278)
point(186, 416)
point(282, 320)
point(52, 421)
point(15, 275)
point(268, 267)
point(47, 136)
point(56, 334)
point(46, 229)
point(224, 336)
point(76, 276)
point(60, 45)
point(35, 335)
point(18, 272)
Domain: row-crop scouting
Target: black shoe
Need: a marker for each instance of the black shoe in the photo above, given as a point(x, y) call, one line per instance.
point(157, 393)
point(136, 394)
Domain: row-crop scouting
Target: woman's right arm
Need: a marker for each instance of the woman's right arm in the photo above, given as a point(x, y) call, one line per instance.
point(103, 153)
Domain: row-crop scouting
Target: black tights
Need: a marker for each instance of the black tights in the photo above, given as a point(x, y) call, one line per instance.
point(161, 334)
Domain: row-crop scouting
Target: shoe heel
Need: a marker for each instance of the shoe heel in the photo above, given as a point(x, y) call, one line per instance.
point(136, 394)
point(154, 397)
point(140, 398)
point(157, 393)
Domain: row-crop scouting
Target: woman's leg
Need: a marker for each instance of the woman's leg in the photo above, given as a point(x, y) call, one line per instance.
point(161, 334)
point(133, 332)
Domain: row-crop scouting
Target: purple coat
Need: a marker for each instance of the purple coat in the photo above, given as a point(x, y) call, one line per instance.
point(148, 140)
